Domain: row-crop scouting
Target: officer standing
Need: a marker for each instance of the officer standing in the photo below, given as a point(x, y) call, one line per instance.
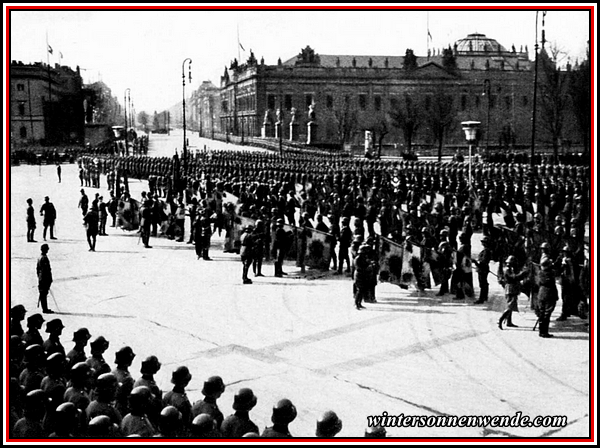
point(30, 221)
point(547, 297)
point(483, 269)
point(280, 245)
point(49, 213)
point(246, 250)
point(83, 202)
point(258, 251)
point(44, 273)
point(91, 220)
point(512, 290)
point(362, 276)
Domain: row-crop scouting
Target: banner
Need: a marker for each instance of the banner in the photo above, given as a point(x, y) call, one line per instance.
point(318, 250)
point(401, 264)
point(229, 198)
point(128, 216)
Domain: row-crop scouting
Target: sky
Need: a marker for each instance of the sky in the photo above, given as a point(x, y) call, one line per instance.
point(144, 50)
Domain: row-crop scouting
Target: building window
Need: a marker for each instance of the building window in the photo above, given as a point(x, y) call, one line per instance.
point(394, 103)
point(492, 101)
point(427, 102)
point(224, 106)
point(21, 108)
point(309, 100)
point(23, 132)
point(463, 102)
point(477, 101)
point(507, 101)
point(271, 101)
point(525, 101)
point(362, 101)
point(347, 100)
point(20, 87)
point(329, 102)
point(288, 102)
point(377, 103)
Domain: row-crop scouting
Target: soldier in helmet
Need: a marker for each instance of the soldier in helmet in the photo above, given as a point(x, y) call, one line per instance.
point(67, 421)
point(280, 247)
point(259, 241)
point(30, 426)
point(105, 393)
point(31, 377)
point(170, 424)
point(239, 423)
point(77, 354)
point(32, 335)
point(345, 243)
point(375, 432)
point(150, 366)
point(53, 345)
point(100, 427)
point(247, 252)
point(547, 296)
point(79, 391)
point(204, 427)
point(123, 359)
point(363, 276)
point(569, 281)
point(445, 263)
point(96, 360)
point(483, 269)
point(328, 425)
point(54, 385)
point(511, 290)
point(17, 314)
point(177, 397)
point(284, 413)
point(136, 422)
point(44, 273)
point(212, 390)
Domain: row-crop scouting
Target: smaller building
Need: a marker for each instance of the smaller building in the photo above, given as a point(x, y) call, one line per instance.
point(46, 104)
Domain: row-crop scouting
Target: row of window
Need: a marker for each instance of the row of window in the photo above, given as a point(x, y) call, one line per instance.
point(465, 101)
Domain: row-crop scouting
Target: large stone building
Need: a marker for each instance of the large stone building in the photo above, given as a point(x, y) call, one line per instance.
point(46, 104)
point(205, 109)
point(475, 79)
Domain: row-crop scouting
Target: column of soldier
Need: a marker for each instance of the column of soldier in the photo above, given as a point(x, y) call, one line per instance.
point(544, 210)
point(59, 394)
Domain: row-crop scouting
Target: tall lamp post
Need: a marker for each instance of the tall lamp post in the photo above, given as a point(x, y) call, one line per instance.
point(487, 91)
point(535, 77)
point(470, 128)
point(184, 137)
point(125, 101)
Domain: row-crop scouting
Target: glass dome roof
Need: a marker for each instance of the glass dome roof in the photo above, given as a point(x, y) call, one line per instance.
point(478, 43)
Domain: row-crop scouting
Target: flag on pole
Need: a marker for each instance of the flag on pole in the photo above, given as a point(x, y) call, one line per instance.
point(241, 46)
point(50, 49)
point(61, 55)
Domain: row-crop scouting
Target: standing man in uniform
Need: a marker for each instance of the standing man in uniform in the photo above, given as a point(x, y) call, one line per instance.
point(483, 269)
point(512, 290)
point(58, 171)
point(83, 203)
point(246, 253)
point(49, 213)
point(30, 221)
point(91, 220)
point(103, 215)
point(280, 245)
point(44, 273)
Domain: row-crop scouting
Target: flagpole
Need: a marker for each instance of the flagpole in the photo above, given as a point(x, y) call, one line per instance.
point(48, 63)
point(238, 41)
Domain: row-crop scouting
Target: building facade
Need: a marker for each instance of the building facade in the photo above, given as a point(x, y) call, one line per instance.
point(46, 105)
point(350, 94)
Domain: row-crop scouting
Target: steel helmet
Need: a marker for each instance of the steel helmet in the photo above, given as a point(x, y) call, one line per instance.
point(203, 423)
point(170, 415)
point(375, 432)
point(328, 425)
point(545, 246)
point(511, 260)
point(213, 386)
point(124, 354)
point(150, 365)
point(67, 410)
point(107, 381)
point(100, 426)
point(244, 400)
point(284, 412)
point(181, 375)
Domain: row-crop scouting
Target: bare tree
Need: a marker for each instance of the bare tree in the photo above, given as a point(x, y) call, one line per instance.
point(143, 119)
point(406, 116)
point(441, 115)
point(553, 95)
point(346, 121)
point(579, 90)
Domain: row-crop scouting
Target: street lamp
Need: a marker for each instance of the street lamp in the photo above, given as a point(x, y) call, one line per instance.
point(184, 138)
point(487, 91)
point(125, 98)
point(470, 128)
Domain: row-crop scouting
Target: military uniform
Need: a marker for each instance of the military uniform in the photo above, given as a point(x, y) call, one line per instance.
point(44, 273)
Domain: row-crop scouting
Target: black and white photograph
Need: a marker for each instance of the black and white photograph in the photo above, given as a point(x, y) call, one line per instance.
point(300, 222)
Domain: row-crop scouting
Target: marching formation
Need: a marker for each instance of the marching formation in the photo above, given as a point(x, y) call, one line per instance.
point(405, 222)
